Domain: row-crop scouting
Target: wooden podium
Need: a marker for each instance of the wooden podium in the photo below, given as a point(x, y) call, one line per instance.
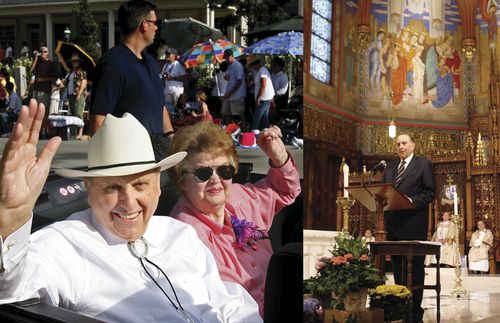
point(384, 197)
point(379, 198)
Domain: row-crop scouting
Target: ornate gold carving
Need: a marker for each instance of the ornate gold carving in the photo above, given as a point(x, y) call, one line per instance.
point(363, 35)
point(319, 121)
point(345, 203)
point(437, 142)
point(480, 159)
point(458, 290)
point(469, 48)
point(470, 142)
point(484, 195)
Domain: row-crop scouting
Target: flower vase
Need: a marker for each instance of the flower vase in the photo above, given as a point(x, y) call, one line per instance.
point(356, 301)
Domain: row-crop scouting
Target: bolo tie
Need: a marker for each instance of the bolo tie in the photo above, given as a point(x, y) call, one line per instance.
point(139, 248)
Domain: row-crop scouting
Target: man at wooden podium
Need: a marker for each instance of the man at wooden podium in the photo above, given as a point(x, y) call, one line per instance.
point(413, 176)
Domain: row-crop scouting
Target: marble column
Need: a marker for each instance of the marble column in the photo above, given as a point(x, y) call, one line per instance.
point(111, 29)
point(49, 35)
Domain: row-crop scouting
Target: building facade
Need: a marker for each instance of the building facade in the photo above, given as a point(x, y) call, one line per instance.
point(38, 22)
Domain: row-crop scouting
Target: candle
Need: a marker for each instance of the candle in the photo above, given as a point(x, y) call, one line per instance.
point(345, 170)
point(455, 203)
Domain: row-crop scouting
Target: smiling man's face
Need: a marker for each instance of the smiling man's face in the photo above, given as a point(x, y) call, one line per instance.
point(124, 204)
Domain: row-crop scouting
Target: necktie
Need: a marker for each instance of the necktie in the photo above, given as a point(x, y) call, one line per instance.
point(401, 170)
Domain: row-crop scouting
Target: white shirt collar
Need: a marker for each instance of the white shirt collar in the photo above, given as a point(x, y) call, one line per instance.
point(113, 239)
point(408, 159)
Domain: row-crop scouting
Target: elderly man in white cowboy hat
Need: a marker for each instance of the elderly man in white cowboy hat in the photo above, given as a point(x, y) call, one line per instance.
point(114, 261)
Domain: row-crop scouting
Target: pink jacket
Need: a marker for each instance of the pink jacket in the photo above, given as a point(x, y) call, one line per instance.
point(257, 203)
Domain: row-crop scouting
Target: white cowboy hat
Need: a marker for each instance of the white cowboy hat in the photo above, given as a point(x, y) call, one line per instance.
point(120, 147)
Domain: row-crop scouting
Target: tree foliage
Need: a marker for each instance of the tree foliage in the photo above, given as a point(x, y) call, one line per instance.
point(258, 13)
point(88, 28)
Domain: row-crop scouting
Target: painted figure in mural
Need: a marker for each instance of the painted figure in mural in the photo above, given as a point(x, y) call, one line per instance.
point(349, 57)
point(492, 26)
point(374, 52)
point(385, 73)
point(488, 10)
point(395, 21)
point(418, 74)
point(417, 6)
point(453, 62)
point(431, 60)
point(398, 73)
point(410, 55)
point(425, 48)
point(444, 85)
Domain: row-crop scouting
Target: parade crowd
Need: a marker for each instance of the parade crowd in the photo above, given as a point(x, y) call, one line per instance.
point(243, 91)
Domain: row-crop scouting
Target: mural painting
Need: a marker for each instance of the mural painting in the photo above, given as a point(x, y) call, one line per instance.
point(350, 54)
point(488, 20)
point(416, 60)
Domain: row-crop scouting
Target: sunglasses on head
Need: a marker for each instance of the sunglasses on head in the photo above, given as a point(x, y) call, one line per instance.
point(203, 174)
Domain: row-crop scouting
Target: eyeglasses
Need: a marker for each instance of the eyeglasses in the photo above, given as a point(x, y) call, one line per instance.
point(45, 51)
point(154, 22)
point(203, 174)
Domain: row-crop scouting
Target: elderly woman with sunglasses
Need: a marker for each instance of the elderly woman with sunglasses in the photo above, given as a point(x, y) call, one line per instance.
point(232, 219)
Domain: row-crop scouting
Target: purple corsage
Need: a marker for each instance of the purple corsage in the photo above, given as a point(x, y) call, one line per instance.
point(246, 233)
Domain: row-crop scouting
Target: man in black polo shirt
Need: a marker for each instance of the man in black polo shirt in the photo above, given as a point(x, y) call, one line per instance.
point(128, 79)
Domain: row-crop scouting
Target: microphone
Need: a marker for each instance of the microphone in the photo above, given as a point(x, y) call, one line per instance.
point(380, 165)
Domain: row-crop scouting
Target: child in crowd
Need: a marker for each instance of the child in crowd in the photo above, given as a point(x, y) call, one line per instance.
point(203, 114)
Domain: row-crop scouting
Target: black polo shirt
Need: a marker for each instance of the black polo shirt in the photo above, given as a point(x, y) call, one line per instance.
point(124, 83)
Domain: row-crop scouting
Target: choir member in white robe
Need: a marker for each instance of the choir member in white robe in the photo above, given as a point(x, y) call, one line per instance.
point(445, 233)
point(480, 243)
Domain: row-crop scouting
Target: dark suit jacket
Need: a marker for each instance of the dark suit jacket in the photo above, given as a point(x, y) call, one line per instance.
point(418, 184)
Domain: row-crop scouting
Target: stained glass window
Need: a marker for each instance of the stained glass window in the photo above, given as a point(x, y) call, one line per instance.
point(321, 40)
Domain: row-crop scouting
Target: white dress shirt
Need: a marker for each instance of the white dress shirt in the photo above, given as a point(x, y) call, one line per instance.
point(79, 265)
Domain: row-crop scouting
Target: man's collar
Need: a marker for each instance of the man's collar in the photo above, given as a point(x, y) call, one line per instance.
point(408, 159)
point(130, 54)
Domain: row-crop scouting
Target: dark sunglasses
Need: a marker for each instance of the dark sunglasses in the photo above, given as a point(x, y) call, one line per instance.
point(154, 22)
point(203, 174)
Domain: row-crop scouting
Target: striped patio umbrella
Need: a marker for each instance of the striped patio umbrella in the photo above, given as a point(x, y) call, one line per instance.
point(286, 43)
point(210, 52)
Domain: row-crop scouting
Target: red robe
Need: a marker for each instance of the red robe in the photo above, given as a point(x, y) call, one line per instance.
point(398, 79)
point(453, 64)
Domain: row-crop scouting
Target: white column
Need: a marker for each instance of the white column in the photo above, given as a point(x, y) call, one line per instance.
point(212, 18)
point(49, 34)
point(238, 37)
point(205, 17)
point(301, 8)
point(111, 29)
point(20, 76)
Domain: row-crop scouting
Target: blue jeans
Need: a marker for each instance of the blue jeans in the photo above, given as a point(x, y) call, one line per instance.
point(261, 114)
point(6, 119)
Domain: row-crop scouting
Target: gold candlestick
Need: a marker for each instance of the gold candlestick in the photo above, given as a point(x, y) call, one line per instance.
point(345, 203)
point(458, 290)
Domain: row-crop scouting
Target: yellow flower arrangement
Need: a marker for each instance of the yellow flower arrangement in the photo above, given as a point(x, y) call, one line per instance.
point(394, 290)
point(394, 299)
